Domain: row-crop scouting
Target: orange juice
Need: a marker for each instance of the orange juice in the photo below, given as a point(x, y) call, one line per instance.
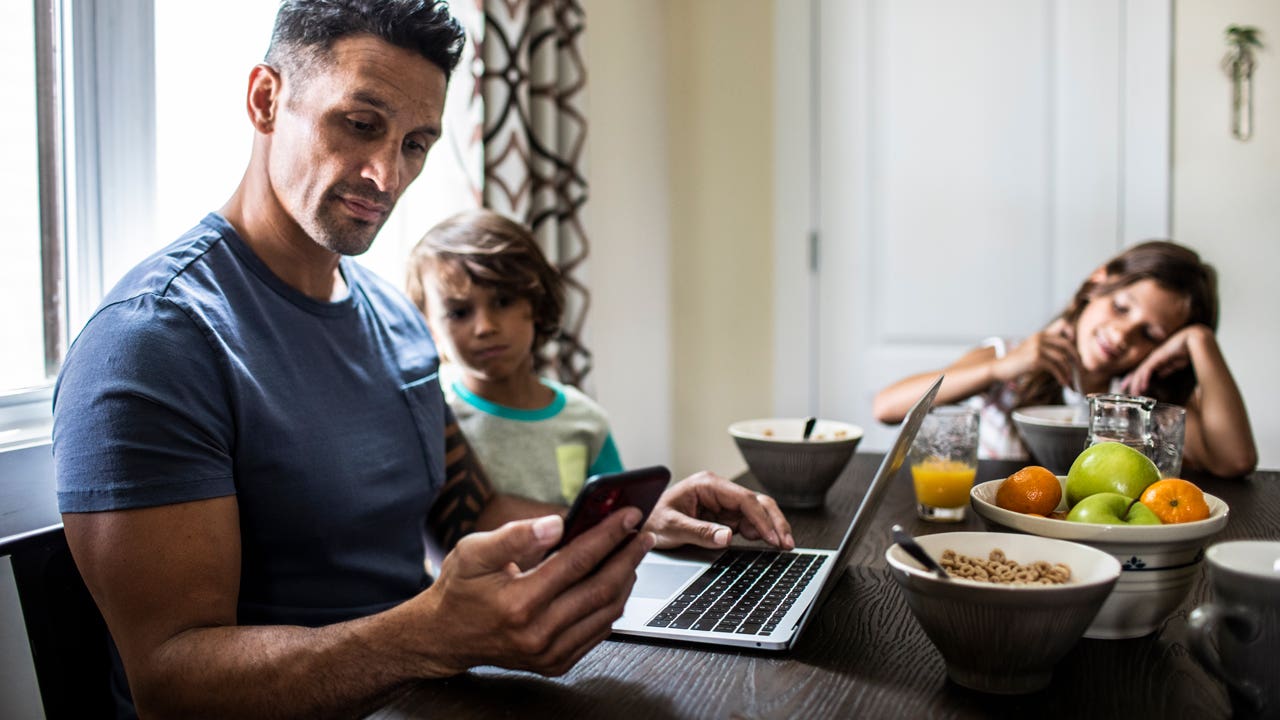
point(943, 483)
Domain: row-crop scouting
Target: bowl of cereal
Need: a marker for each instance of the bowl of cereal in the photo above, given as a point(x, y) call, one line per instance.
point(1012, 607)
point(795, 471)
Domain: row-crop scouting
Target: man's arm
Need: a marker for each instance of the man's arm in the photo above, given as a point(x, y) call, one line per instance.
point(167, 578)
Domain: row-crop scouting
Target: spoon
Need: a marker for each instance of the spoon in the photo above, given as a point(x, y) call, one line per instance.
point(808, 427)
point(909, 544)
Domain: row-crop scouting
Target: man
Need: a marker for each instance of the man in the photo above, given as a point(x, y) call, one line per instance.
point(250, 440)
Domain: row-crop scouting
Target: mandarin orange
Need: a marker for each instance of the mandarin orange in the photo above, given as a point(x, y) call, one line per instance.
point(1033, 489)
point(1174, 500)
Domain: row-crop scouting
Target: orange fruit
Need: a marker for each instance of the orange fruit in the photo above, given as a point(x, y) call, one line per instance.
point(1033, 489)
point(1175, 501)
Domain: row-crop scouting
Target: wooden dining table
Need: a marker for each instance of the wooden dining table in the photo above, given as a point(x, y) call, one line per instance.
point(864, 655)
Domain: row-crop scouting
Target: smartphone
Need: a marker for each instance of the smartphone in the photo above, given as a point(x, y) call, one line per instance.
point(602, 494)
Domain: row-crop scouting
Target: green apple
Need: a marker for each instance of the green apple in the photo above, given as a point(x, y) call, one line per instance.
point(1110, 508)
point(1109, 467)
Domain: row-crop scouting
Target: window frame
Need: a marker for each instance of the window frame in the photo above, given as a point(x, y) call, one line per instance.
point(95, 87)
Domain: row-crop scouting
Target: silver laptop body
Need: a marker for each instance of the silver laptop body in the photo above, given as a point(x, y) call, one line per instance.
point(749, 600)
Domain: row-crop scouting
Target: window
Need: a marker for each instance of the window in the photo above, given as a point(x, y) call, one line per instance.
point(22, 284)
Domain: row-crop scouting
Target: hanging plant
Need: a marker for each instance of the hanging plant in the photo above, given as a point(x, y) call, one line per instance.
point(1239, 64)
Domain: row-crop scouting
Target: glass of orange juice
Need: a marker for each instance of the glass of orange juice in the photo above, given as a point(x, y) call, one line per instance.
point(944, 461)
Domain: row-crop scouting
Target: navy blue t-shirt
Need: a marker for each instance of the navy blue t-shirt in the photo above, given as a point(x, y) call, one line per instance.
point(204, 375)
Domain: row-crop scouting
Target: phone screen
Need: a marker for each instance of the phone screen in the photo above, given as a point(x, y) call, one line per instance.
point(602, 494)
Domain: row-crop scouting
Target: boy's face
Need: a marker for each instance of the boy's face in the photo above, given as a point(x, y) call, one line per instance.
point(488, 332)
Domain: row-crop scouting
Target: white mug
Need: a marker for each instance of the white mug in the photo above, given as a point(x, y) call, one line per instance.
point(1236, 634)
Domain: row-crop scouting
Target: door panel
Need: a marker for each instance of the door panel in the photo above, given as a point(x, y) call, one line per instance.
point(970, 170)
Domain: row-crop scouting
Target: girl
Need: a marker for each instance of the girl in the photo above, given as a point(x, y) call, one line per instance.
point(493, 302)
point(1142, 324)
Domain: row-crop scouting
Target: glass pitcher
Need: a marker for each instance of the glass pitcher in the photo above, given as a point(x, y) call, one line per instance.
point(1121, 418)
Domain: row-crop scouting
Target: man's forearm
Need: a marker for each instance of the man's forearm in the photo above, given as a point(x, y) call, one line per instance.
point(339, 670)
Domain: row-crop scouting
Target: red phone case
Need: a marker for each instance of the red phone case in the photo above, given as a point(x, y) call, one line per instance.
point(602, 494)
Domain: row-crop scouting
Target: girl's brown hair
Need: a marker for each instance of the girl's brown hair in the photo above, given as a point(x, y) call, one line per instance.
point(1173, 267)
point(495, 252)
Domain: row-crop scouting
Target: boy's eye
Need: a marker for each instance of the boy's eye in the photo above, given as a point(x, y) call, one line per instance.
point(460, 313)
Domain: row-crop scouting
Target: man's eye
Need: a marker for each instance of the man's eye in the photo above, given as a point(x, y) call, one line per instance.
point(361, 126)
point(416, 147)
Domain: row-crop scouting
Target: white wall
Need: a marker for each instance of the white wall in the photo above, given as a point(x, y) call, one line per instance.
point(1225, 194)
point(627, 219)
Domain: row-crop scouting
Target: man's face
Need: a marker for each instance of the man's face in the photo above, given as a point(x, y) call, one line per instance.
point(350, 136)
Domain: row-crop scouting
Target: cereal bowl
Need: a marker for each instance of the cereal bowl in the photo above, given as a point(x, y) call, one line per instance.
point(1053, 434)
point(1159, 562)
point(1004, 638)
point(796, 472)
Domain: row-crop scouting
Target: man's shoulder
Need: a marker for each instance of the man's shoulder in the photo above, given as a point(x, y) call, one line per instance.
point(168, 271)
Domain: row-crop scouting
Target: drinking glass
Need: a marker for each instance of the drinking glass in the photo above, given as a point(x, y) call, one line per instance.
point(1121, 418)
point(1168, 430)
point(944, 461)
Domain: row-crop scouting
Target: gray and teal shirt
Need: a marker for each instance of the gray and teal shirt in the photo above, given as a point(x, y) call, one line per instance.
point(544, 454)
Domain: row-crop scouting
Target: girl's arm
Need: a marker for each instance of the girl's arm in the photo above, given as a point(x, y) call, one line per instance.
point(1050, 349)
point(965, 377)
point(1219, 438)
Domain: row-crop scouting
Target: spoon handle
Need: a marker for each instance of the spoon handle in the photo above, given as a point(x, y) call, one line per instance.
point(808, 427)
point(912, 548)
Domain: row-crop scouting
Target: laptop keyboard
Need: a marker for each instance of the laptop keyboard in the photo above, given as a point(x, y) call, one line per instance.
point(745, 592)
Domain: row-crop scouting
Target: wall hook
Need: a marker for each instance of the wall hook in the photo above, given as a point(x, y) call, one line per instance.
point(1239, 64)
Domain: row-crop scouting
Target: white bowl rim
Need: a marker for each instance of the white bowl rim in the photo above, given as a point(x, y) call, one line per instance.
point(898, 558)
point(1021, 415)
point(747, 429)
point(982, 497)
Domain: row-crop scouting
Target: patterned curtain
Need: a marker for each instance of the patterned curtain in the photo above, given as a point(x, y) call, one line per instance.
point(533, 85)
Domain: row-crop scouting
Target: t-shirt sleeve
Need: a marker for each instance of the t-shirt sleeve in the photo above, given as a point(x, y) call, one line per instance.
point(607, 460)
point(141, 412)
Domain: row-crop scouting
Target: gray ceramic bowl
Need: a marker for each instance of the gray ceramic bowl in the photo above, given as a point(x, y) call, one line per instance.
point(1004, 638)
point(1053, 434)
point(796, 472)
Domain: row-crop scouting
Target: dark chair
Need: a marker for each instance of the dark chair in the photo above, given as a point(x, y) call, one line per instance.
point(68, 637)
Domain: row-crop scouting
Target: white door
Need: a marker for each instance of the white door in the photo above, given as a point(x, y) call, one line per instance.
point(973, 162)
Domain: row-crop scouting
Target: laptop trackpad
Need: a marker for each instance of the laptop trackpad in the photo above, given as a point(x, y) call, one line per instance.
point(659, 580)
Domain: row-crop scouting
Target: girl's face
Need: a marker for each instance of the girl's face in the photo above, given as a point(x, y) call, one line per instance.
point(1118, 329)
point(488, 332)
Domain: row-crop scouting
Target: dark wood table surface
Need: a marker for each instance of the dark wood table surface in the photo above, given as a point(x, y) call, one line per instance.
point(864, 655)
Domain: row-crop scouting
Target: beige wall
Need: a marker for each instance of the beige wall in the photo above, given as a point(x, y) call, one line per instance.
point(628, 222)
point(680, 215)
point(720, 110)
point(1226, 192)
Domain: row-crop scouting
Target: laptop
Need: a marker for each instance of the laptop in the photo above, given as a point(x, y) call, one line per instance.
point(748, 597)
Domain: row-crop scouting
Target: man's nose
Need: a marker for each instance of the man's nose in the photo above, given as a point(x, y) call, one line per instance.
point(383, 167)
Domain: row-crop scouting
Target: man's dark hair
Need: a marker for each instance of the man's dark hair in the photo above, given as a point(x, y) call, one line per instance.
point(305, 30)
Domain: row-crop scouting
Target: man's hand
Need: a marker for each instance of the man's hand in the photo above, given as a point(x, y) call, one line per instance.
point(497, 602)
point(706, 509)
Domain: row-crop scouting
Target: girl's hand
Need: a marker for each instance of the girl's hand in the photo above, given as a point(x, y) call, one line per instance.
point(1052, 350)
point(1171, 356)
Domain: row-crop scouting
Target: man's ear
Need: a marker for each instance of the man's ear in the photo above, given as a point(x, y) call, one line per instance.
point(264, 94)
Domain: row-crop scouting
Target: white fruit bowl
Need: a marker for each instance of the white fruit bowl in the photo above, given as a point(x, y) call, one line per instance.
point(1159, 562)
